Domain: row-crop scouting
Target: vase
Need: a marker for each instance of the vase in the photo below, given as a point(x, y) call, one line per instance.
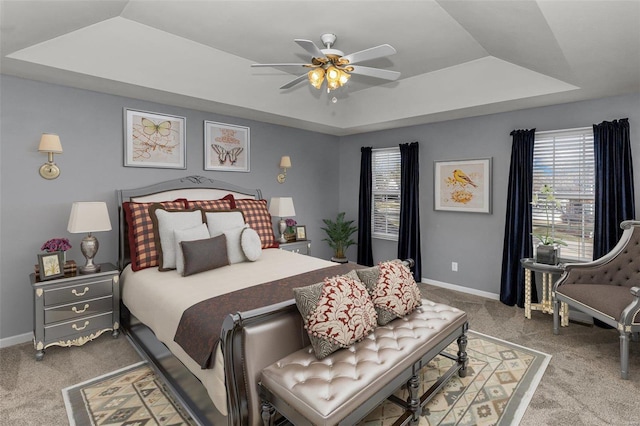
point(547, 254)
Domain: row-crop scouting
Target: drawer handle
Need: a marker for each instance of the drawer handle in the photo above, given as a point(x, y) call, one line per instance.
point(77, 311)
point(75, 327)
point(86, 289)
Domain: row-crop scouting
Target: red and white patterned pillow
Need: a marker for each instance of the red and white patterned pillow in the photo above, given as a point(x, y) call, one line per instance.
point(393, 290)
point(257, 216)
point(142, 246)
point(337, 313)
point(225, 203)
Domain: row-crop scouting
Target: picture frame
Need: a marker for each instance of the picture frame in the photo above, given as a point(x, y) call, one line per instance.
point(463, 185)
point(301, 232)
point(226, 147)
point(154, 140)
point(51, 265)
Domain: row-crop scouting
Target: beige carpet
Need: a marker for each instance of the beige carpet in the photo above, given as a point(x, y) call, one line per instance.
point(496, 391)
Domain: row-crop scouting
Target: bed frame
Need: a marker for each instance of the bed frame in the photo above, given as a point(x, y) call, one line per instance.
point(180, 381)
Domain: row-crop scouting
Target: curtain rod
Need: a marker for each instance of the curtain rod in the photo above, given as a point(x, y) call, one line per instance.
point(564, 130)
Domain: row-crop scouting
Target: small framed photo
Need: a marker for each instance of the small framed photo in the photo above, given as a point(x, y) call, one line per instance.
point(463, 185)
point(154, 140)
point(51, 265)
point(226, 147)
point(301, 232)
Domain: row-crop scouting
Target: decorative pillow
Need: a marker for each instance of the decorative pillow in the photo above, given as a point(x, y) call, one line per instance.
point(165, 222)
point(257, 216)
point(220, 221)
point(225, 203)
point(393, 290)
point(199, 232)
point(142, 246)
point(336, 312)
point(204, 255)
point(234, 248)
point(251, 244)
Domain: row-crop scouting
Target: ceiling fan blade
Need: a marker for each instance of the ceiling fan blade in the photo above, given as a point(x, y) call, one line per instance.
point(310, 47)
point(295, 81)
point(375, 72)
point(369, 54)
point(282, 65)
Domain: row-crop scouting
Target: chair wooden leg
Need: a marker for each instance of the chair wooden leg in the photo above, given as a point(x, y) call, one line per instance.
point(268, 414)
point(624, 355)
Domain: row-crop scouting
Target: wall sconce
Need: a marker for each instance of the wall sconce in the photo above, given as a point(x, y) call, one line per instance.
point(285, 163)
point(50, 144)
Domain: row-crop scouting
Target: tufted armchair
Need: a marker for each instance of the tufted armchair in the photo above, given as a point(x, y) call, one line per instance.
point(607, 289)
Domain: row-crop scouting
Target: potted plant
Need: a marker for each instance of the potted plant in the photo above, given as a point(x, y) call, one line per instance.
point(339, 236)
point(548, 250)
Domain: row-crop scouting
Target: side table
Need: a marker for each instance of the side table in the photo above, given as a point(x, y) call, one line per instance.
point(546, 304)
point(300, 246)
point(74, 309)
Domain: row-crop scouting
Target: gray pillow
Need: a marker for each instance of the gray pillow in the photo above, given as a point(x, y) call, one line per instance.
point(204, 255)
point(200, 232)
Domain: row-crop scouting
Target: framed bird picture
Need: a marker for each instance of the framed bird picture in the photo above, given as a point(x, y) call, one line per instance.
point(463, 185)
point(226, 147)
point(154, 140)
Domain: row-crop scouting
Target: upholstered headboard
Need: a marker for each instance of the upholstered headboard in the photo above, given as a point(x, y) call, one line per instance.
point(190, 187)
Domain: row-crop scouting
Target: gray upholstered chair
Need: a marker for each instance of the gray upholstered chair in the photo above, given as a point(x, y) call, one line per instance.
point(607, 289)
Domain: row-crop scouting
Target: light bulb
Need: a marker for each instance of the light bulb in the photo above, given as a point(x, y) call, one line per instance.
point(316, 77)
point(333, 74)
point(344, 77)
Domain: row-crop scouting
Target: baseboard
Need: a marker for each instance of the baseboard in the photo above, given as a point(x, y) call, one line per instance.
point(462, 289)
point(16, 340)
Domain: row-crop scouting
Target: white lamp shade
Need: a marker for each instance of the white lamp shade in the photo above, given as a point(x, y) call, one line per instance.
point(89, 217)
point(282, 207)
point(285, 162)
point(50, 143)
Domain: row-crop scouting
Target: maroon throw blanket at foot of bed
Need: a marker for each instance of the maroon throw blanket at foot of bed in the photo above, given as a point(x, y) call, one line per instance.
point(200, 326)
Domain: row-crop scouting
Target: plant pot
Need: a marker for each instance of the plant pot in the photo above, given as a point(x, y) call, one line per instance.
point(547, 254)
point(339, 259)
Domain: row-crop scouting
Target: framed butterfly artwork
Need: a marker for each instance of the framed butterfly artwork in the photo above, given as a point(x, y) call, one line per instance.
point(154, 140)
point(226, 147)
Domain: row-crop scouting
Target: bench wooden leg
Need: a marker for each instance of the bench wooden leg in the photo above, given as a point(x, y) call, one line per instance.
point(463, 360)
point(268, 413)
point(413, 400)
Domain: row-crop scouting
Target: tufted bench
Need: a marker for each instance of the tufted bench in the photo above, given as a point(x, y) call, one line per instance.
point(345, 386)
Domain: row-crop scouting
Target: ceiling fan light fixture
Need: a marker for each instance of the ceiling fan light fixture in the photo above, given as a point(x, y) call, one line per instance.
point(344, 77)
point(316, 77)
point(333, 74)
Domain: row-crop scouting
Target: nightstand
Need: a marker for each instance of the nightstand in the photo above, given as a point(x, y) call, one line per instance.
point(302, 247)
point(75, 309)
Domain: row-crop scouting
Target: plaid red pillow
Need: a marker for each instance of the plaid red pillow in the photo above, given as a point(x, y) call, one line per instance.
point(142, 245)
point(225, 203)
point(257, 216)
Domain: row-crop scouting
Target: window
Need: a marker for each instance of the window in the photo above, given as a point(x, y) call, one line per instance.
point(385, 179)
point(564, 160)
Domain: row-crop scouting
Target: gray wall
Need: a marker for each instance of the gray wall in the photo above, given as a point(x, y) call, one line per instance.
point(471, 239)
point(34, 210)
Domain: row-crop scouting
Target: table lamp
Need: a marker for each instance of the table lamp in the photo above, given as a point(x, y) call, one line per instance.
point(282, 207)
point(89, 217)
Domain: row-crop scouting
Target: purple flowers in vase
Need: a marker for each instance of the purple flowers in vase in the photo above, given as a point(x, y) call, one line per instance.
point(56, 244)
point(290, 224)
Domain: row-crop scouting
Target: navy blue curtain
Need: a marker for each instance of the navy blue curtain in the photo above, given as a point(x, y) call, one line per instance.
point(409, 233)
point(365, 251)
point(614, 196)
point(517, 229)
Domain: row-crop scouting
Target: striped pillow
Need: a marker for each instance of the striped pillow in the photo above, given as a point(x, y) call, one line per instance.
point(257, 216)
point(142, 245)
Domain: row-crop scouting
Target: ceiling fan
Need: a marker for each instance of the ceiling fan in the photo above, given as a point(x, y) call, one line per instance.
point(335, 65)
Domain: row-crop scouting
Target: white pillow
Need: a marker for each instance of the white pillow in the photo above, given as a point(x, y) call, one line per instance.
point(168, 222)
point(199, 232)
point(251, 244)
point(218, 222)
point(234, 249)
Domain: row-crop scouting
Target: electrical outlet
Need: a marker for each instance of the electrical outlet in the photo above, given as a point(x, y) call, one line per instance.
point(454, 266)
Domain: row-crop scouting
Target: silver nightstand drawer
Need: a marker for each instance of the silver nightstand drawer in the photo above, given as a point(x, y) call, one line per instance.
point(78, 292)
point(70, 330)
point(77, 310)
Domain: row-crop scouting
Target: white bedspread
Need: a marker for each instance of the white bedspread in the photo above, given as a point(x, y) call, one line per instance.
point(158, 299)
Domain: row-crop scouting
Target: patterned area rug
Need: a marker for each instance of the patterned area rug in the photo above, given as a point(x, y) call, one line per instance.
point(501, 380)
point(132, 396)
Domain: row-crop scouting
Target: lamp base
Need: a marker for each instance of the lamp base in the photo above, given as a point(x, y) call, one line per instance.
point(89, 248)
point(282, 226)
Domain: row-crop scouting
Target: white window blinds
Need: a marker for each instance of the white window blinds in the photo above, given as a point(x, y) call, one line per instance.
point(564, 160)
point(385, 171)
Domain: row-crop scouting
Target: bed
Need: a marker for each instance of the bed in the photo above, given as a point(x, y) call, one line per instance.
point(154, 303)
